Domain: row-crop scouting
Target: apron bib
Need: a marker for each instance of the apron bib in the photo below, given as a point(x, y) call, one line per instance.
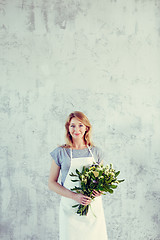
point(71, 225)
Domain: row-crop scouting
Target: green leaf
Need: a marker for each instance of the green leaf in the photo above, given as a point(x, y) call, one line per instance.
point(113, 186)
point(110, 190)
point(75, 205)
point(110, 180)
point(117, 173)
point(76, 188)
point(114, 180)
point(121, 180)
point(83, 169)
point(73, 175)
point(78, 172)
point(100, 173)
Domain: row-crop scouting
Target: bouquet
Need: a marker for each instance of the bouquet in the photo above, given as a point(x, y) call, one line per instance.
point(95, 177)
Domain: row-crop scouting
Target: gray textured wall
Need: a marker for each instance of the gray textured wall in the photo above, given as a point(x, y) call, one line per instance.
point(98, 56)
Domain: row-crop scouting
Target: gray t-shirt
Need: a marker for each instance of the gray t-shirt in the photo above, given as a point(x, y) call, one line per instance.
point(62, 157)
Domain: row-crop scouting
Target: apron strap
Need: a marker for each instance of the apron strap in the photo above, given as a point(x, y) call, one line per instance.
point(90, 150)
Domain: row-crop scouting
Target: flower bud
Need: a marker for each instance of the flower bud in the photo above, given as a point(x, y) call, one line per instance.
point(111, 165)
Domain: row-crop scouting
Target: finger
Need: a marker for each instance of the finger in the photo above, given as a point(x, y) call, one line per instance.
point(85, 201)
point(86, 197)
point(85, 204)
point(97, 191)
point(96, 194)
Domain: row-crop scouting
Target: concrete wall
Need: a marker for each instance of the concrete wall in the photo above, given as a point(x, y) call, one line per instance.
point(98, 56)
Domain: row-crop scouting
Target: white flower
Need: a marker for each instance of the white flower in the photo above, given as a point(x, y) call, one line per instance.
point(85, 180)
point(106, 171)
point(83, 177)
point(101, 177)
point(95, 173)
point(86, 174)
point(107, 166)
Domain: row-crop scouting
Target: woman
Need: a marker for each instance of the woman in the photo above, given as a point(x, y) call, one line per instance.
point(77, 152)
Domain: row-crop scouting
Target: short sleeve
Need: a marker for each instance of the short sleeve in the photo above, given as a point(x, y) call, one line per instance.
point(56, 156)
point(100, 154)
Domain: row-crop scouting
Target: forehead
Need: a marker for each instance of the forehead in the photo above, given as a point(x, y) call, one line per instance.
point(75, 121)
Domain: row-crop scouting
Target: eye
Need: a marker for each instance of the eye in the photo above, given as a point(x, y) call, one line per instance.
point(81, 125)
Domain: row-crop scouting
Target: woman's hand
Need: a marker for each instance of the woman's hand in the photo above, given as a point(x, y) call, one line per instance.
point(96, 193)
point(82, 199)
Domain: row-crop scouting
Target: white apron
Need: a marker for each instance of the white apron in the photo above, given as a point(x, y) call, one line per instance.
point(75, 227)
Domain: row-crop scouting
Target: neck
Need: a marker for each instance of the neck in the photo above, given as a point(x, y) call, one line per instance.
point(79, 144)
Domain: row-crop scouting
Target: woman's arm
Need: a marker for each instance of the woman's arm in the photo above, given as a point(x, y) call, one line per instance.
point(59, 189)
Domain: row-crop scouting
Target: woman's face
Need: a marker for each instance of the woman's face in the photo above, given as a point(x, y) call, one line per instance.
point(76, 128)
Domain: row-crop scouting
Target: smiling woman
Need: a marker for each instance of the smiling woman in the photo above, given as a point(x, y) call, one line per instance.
point(78, 151)
point(78, 130)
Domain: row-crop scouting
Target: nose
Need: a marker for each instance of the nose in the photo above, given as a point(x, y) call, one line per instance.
point(76, 129)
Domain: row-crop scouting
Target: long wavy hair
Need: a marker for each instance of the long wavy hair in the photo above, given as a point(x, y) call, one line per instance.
point(82, 118)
